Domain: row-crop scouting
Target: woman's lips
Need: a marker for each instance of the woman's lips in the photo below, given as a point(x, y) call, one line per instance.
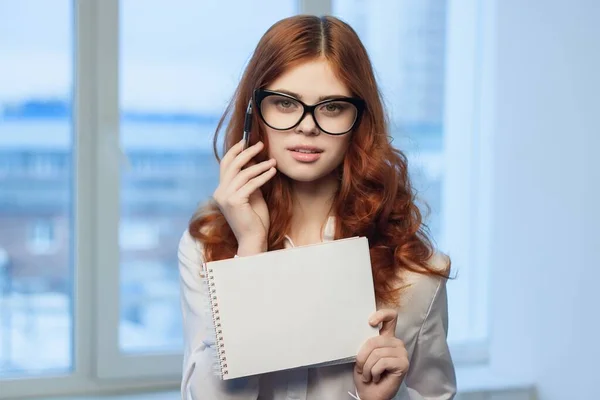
point(305, 153)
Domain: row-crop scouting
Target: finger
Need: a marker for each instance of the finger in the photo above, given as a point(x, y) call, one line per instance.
point(375, 356)
point(388, 318)
point(244, 159)
point(240, 161)
point(230, 155)
point(255, 183)
point(382, 365)
point(370, 345)
point(249, 173)
point(393, 365)
point(240, 158)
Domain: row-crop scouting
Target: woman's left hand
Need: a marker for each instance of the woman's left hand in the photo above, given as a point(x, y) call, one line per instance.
point(382, 361)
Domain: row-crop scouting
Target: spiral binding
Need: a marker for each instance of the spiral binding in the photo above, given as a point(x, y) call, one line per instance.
point(214, 305)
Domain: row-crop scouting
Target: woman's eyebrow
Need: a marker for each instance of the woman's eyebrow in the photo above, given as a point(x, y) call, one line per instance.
point(299, 96)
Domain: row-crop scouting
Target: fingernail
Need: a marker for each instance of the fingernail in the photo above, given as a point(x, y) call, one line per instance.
point(365, 380)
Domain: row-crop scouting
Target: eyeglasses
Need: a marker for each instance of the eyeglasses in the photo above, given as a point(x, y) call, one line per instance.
point(335, 116)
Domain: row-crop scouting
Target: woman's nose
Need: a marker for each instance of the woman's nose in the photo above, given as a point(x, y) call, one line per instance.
point(308, 125)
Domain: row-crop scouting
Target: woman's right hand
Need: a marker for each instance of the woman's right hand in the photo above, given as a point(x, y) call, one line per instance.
point(240, 199)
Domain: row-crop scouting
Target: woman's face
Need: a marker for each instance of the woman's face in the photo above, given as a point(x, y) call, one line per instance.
point(305, 153)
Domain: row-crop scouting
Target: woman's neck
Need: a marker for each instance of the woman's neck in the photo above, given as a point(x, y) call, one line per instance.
point(312, 202)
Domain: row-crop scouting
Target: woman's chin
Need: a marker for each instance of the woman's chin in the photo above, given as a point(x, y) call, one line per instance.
point(305, 176)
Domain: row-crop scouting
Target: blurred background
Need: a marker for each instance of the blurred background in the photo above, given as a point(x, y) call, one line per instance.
point(107, 111)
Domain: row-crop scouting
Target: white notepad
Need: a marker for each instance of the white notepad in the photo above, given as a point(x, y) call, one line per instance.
point(297, 307)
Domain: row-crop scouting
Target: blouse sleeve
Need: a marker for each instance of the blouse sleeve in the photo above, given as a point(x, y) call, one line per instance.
point(431, 375)
point(199, 380)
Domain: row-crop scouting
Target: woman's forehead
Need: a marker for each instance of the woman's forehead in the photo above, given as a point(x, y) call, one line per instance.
point(310, 81)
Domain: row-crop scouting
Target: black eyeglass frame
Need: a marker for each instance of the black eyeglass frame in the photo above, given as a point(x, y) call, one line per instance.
point(260, 94)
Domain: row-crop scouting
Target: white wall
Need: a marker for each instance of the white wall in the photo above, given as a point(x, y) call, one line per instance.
point(546, 196)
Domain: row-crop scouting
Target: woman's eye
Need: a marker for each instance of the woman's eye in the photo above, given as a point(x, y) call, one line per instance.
point(285, 104)
point(332, 108)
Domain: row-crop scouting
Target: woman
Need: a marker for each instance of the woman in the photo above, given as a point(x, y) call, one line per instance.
point(320, 167)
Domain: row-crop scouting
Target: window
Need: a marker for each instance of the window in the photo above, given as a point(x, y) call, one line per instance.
point(105, 149)
point(430, 92)
point(139, 235)
point(174, 83)
point(405, 41)
point(36, 280)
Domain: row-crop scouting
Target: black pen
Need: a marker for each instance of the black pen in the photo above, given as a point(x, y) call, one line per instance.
point(248, 125)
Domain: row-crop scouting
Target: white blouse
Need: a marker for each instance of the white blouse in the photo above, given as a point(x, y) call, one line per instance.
point(422, 326)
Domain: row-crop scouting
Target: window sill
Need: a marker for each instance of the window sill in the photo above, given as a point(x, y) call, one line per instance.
point(475, 382)
point(170, 395)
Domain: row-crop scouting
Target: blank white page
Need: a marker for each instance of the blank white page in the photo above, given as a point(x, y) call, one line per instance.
point(294, 307)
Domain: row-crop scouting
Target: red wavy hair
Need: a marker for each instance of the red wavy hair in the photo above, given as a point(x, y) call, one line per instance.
point(375, 197)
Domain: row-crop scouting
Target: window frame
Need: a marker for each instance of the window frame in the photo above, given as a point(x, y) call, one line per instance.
point(468, 112)
point(111, 363)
